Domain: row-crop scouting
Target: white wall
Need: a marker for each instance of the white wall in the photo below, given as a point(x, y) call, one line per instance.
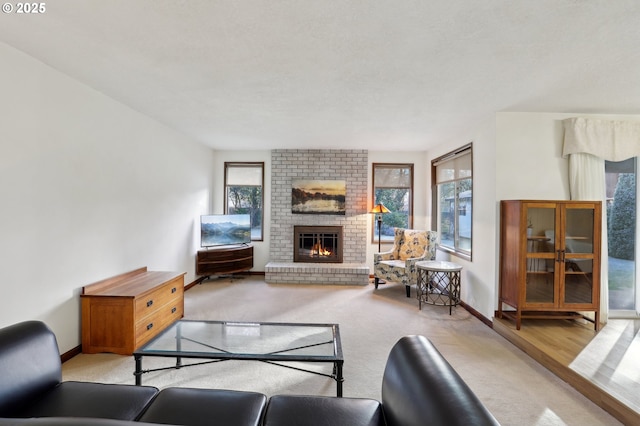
point(478, 275)
point(89, 189)
point(529, 163)
point(529, 154)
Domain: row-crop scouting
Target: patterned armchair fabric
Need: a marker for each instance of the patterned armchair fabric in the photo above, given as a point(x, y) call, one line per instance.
point(398, 264)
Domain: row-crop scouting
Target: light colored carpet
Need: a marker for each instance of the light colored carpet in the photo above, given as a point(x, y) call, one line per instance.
point(516, 389)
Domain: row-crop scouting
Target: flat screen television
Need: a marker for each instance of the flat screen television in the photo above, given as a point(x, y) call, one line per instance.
point(225, 229)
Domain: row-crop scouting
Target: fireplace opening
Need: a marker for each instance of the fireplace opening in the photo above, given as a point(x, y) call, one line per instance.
point(317, 244)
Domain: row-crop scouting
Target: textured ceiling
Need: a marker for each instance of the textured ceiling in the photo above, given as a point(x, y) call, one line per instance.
point(374, 74)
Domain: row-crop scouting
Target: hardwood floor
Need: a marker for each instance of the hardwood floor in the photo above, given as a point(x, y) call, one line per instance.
point(604, 366)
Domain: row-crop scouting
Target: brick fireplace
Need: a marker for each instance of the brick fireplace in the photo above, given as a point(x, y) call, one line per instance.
point(288, 166)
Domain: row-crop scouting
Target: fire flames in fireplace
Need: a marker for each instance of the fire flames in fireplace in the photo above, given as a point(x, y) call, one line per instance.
point(319, 250)
point(318, 244)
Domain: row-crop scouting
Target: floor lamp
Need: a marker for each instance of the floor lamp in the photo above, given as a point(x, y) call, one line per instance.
point(379, 209)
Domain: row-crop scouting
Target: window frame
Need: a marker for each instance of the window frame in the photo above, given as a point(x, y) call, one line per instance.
point(623, 167)
point(457, 153)
point(409, 166)
point(245, 164)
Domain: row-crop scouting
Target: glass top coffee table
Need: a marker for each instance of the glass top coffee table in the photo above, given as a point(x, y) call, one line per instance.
point(269, 342)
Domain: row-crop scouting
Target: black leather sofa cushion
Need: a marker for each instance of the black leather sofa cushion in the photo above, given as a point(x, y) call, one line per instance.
point(296, 410)
point(195, 407)
point(419, 387)
point(86, 399)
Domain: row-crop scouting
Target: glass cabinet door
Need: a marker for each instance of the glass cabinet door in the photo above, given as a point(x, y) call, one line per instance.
point(541, 227)
point(578, 255)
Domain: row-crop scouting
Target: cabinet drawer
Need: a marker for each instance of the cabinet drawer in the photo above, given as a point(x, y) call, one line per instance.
point(223, 255)
point(148, 327)
point(150, 303)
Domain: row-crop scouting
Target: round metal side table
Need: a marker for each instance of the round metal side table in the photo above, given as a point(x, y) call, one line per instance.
point(438, 283)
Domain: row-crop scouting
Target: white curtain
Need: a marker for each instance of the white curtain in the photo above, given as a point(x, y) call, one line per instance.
point(588, 143)
point(587, 183)
point(609, 140)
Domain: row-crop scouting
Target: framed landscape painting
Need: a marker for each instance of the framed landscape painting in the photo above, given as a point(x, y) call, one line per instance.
point(318, 196)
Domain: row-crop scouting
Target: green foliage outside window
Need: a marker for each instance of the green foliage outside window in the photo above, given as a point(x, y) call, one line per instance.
point(246, 200)
point(396, 200)
point(622, 219)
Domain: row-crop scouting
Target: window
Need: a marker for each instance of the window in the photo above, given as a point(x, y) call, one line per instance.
point(452, 177)
point(393, 187)
point(243, 183)
point(621, 178)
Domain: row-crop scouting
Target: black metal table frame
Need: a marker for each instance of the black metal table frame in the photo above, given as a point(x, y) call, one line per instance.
point(431, 281)
point(274, 358)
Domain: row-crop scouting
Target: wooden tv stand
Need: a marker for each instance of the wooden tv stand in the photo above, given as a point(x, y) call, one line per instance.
point(122, 313)
point(224, 260)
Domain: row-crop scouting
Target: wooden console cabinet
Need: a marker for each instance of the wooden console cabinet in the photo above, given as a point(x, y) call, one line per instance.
point(121, 313)
point(224, 260)
point(549, 259)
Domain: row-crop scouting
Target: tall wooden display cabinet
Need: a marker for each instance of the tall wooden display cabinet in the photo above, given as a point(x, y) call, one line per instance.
point(549, 259)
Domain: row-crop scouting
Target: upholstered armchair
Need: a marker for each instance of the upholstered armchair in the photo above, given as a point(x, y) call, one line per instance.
point(398, 264)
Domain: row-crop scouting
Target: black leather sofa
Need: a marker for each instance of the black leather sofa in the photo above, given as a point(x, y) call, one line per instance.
point(419, 387)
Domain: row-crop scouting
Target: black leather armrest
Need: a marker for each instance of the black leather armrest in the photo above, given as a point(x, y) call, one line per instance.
point(419, 387)
point(29, 364)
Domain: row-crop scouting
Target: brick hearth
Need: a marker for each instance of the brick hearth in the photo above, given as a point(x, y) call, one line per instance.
point(316, 273)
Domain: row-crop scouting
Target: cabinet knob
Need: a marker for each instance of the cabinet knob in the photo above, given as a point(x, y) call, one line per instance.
point(173, 290)
point(149, 303)
point(173, 310)
point(150, 326)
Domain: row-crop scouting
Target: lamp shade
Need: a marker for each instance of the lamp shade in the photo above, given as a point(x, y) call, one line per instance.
point(379, 208)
